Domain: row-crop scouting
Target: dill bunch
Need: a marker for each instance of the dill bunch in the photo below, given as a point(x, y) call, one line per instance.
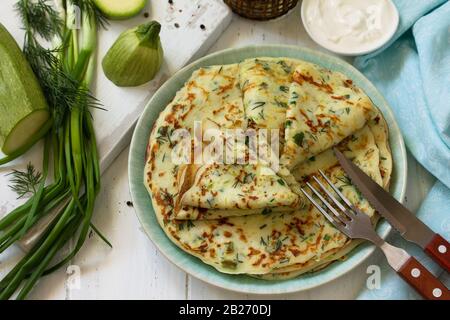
point(39, 17)
point(65, 73)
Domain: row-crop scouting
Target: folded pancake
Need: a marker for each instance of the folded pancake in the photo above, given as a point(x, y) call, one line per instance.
point(379, 131)
point(211, 96)
point(324, 108)
point(224, 190)
point(265, 86)
point(359, 147)
point(279, 244)
point(259, 244)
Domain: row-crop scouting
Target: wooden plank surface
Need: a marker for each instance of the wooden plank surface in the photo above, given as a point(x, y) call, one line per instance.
point(135, 269)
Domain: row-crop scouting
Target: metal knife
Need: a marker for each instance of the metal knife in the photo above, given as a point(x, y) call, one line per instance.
point(406, 223)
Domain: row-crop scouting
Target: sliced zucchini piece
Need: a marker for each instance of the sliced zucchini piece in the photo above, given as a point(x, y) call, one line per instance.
point(120, 9)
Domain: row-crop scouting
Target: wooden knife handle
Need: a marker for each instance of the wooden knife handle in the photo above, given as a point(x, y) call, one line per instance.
point(425, 283)
point(439, 250)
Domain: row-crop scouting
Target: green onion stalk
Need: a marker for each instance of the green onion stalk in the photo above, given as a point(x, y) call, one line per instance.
point(70, 149)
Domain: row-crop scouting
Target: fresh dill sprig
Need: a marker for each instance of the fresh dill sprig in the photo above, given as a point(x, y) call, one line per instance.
point(39, 56)
point(25, 183)
point(90, 7)
point(61, 90)
point(40, 18)
point(64, 93)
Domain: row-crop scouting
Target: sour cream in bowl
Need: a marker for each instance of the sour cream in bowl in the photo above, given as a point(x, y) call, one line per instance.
point(350, 27)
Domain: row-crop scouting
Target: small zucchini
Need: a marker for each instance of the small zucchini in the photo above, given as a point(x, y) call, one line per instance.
point(135, 57)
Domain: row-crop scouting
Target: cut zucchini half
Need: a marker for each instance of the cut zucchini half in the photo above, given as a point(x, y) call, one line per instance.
point(23, 109)
point(120, 9)
point(25, 130)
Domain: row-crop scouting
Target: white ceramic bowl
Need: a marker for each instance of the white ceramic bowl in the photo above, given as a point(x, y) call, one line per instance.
point(355, 51)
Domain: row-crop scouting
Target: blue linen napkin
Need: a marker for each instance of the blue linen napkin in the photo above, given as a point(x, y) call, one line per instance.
point(413, 73)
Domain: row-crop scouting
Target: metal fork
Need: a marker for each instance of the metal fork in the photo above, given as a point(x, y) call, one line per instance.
point(357, 225)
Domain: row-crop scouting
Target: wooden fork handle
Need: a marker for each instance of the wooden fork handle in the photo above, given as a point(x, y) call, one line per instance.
point(439, 250)
point(423, 281)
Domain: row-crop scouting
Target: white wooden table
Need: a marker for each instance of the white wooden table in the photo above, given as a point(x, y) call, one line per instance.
point(134, 269)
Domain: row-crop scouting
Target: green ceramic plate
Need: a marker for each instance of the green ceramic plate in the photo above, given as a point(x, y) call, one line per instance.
point(192, 265)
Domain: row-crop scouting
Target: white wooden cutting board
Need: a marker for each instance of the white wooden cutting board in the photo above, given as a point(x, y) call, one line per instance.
point(189, 28)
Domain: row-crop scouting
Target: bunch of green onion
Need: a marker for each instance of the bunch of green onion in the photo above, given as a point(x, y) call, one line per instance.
point(70, 151)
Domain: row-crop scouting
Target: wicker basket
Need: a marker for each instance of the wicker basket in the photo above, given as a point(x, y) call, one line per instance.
point(261, 9)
